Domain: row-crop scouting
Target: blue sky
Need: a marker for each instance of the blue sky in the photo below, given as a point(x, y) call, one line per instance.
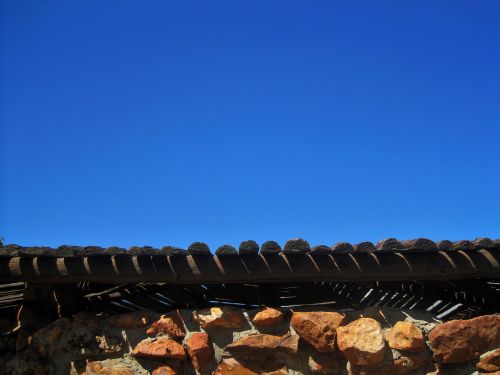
point(167, 122)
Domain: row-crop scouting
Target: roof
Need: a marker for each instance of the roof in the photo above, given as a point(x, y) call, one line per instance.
point(389, 259)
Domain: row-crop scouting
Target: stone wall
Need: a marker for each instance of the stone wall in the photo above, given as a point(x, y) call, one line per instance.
point(227, 340)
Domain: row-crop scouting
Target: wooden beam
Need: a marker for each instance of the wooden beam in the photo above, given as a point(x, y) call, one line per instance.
point(261, 268)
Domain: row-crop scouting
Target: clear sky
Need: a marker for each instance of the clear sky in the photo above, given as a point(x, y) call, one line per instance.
point(167, 122)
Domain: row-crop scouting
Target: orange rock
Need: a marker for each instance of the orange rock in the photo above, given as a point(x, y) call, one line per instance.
point(318, 328)
point(406, 336)
point(96, 368)
point(323, 364)
point(490, 362)
point(460, 341)
point(409, 362)
point(136, 319)
point(488, 331)
point(164, 370)
point(362, 342)
point(224, 317)
point(160, 348)
point(401, 366)
point(260, 343)
point(231, 366)
point(267, 317)
point(170, 323)
point(200, 349)
point(87, 319)
point(454, 341)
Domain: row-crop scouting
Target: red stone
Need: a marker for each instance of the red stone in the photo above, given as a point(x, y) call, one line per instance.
point(170, 323)
point(488, 331)
point(490, 362)
point(323, 364)
point(160, 348)
point(261, 343)
point(230, 366)
point(96, 368)
point(460, 341)
point(165, 370)
point(223, 317)
point(200, 349)
point(87, 319)
point(406, 336)
point(137, 319)
point(362, 342)
point(403, 365)
point(267, 317)
point(454, 341)
point(318, 328)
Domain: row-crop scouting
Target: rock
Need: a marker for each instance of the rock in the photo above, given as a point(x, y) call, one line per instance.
point(26, 362)
point(323, 364)
point(261, 343)
point(454, 341)
point(45, 340)
point(223, 316)
point(200, 349)
point(136, 319)
point(159, 348)
point(23, 339)
point(362, 342)
point(318, 328)
point(488, 331)
point(403, 365)
point(64, 336)
point(267, 317)
point(165, 370)
point(406, 336)
point(230, 366)
point(87, 319)
point(170, 323)
point(409, 362)
point(490, 362)
point(460, 341)
point(96, 368)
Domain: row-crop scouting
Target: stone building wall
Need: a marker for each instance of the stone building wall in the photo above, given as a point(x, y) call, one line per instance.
point(228, 340)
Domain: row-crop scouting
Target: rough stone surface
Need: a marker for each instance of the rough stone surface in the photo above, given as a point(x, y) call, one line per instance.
point(64, 336)
point(96, 368)
point(267, 317)
point(488, 331)
point(224, 317)
point(170, 323)
point(409, 362)
point(87, 319)
point(164, 370)
point(230, 366)
point(129, 320)
point(323, 364)
point(26, 362)
point(490, 362)
point(403, 365)
point(459, 341)
point(318, 328)
point(200, 349)
point(159, 348)
point(406, 336)
point(87, 345)
point(454, 342)
point(362, 342)
point(264, 343)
